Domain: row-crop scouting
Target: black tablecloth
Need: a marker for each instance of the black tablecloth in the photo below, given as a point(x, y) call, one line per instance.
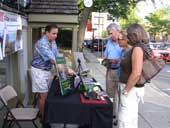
point(69, 109)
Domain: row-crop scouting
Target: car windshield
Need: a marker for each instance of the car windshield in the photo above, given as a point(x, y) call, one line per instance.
point(167, 45)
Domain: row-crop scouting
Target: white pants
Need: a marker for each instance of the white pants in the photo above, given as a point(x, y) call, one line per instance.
point(128, 108)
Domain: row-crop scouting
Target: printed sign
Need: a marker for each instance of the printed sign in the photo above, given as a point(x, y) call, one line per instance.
point(65, 86)
point(60, 60)
point(10, 32)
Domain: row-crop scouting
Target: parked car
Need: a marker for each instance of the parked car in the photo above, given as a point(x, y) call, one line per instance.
point(166, 57)
point(87, 43)
point(157, 54)
point(98, 44)
point(167, 54)
point(163, 51)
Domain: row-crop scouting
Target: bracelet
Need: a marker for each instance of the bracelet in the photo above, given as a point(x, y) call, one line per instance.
point(125, 92)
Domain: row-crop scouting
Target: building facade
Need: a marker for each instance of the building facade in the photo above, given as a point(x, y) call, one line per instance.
point(34, 17)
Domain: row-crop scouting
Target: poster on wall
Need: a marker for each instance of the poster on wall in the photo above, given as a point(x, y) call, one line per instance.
point(12, 20)
point(12, 26)
point(18, 41)
point(9, 42)
point(13, 41)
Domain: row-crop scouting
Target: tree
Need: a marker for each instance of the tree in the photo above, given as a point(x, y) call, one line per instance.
point(104, 34)
point(117, 8)
point(159, 21)
point(130, 19)
point(84, 14)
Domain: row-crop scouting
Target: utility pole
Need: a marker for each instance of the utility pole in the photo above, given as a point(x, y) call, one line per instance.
point(99, 31)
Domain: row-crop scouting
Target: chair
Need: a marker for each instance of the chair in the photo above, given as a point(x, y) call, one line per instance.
point(15, 115)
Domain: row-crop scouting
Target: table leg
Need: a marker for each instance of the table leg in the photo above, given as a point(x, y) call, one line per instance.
point(64, 125)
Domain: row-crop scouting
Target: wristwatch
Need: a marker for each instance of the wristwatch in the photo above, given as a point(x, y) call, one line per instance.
point(125, 92)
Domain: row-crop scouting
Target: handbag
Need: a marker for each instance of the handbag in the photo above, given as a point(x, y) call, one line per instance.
point(151, 67)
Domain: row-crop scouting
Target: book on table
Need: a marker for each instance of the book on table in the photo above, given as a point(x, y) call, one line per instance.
point(64, 81)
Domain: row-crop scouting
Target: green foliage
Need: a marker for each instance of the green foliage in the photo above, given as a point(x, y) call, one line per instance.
point(117, 8)
point(131, 18)
point(80, 5)
point(104, 34)
point(159, 21)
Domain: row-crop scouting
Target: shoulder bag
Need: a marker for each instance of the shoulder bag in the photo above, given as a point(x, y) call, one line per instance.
point(151, 67)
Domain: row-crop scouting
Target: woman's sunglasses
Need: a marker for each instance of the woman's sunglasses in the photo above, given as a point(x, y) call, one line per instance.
point(121, 37)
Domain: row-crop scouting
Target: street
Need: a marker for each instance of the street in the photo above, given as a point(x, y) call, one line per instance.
point(162, 80)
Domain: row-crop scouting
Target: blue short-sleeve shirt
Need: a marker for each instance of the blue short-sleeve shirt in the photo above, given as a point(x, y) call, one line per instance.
point(113, 51)
point(43, 52)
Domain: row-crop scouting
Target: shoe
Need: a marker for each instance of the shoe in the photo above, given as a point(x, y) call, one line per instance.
point(115, 123)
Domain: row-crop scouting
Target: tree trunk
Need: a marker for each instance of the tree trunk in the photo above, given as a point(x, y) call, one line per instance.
point(82, 26)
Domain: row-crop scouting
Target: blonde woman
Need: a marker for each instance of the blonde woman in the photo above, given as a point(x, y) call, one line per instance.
point(123, 41)
point(131, 68)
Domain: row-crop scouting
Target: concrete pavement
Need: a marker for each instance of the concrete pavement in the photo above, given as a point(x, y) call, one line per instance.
point(154, 113)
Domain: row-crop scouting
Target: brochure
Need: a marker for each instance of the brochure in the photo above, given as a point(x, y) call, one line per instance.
point(65, 84)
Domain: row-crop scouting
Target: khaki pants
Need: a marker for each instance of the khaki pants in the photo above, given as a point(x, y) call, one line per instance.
point(112, 88)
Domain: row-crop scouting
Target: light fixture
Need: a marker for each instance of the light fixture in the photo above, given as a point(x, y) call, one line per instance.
point(88, 3)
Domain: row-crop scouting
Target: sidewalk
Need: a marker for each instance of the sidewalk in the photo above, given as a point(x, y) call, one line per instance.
point(154, 113)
